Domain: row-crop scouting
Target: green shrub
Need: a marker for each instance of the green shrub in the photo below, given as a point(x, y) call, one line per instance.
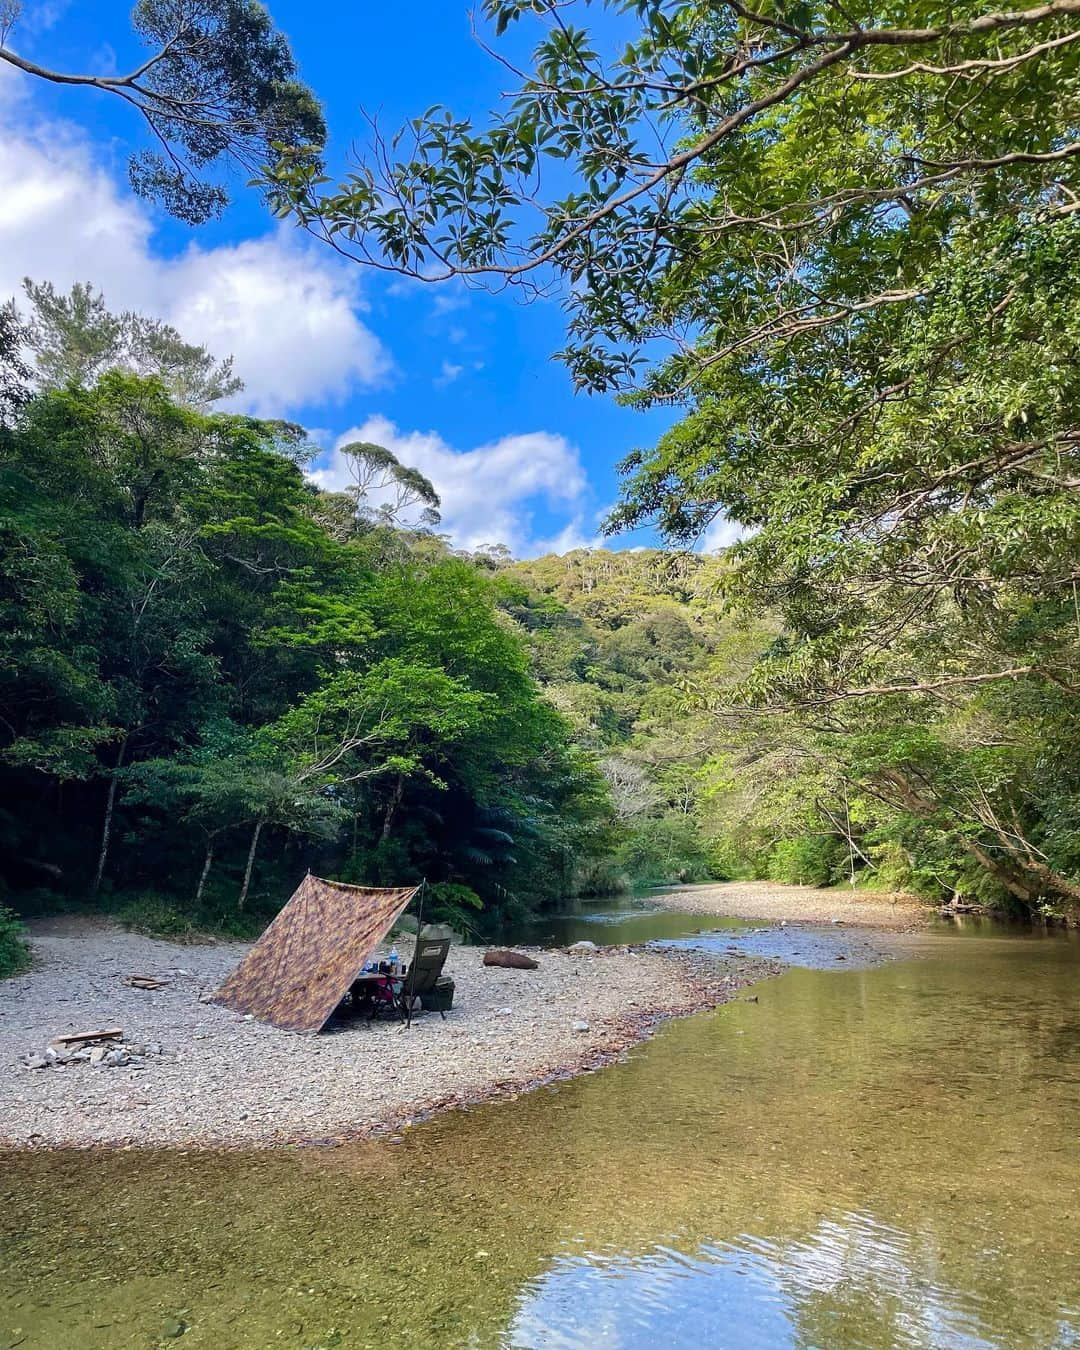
point(602, 876)
point(14, 951)
point(451, 903)
point(162, 917)
point(666, 848)
point(724, 861)
point(809, 860)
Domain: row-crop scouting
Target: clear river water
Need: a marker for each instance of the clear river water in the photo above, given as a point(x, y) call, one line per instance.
point(868, 1156)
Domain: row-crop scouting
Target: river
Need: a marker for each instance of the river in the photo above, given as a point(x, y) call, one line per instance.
point(868, 1156)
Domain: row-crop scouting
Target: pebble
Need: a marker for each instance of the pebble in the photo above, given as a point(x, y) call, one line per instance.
point(211, 1076)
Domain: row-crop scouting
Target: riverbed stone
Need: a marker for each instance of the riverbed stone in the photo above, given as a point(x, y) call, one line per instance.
point(222, 1080)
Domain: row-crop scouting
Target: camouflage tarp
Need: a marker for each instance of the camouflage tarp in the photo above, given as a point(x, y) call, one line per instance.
point(302, 966)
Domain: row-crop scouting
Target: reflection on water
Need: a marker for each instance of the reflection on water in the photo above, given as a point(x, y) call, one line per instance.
point(866, 1157)
point(751, 1292)
point(611, 921)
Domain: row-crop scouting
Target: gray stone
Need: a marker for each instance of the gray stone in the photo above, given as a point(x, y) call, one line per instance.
point(36, 1062)
point(583, 947)
point(579, 1025)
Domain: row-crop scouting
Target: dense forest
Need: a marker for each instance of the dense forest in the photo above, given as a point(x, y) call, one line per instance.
point(216, 676)
point(842, 247)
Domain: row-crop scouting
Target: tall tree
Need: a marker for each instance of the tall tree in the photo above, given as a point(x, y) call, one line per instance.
point(855, 228)
point(75, 339)
point(723, 139)
point(217, 88)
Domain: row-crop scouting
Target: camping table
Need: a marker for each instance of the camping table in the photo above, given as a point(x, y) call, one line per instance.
point(365, 988)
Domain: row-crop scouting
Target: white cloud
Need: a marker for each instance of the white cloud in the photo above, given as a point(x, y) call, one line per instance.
point(722, 533)
point(287, 314)
point(573, 535)
point(489, 494)
point(448, 374)
point(39, 18)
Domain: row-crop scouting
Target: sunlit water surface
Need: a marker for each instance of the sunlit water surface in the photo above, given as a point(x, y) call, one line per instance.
point(868, 1156)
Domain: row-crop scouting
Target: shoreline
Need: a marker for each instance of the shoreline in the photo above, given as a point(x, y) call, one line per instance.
point(224, 1082)
point(777, 902)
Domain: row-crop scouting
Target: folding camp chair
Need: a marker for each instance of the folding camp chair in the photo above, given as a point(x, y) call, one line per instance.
point(423, 974)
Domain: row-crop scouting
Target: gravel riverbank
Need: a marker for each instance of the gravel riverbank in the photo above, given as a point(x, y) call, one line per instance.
point(797, 904)
point(221, 1080)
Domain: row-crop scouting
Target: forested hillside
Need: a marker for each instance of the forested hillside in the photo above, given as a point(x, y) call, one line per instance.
point(214, 676)
point(843, 246)
point(660, 663)
point(617, 639)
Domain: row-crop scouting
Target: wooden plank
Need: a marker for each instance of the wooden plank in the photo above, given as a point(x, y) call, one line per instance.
point(105, 1034)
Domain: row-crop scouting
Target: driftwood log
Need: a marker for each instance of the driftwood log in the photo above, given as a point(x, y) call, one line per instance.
point(104, 1034)
point(503, 956)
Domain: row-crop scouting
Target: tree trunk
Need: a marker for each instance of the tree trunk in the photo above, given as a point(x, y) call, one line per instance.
point(205, 871)
point(1023, 877)
point(110, 806)
point(392, 806)
point(250, 862)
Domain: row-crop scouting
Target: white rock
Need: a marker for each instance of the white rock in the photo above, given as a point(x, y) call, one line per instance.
point(579, 1025)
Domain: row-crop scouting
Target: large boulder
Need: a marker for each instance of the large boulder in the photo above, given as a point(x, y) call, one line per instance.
point(503, 956)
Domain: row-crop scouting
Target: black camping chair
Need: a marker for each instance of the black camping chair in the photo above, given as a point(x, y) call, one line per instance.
point(423, 974)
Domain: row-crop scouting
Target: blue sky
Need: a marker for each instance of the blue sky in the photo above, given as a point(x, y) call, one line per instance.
point(459, 383)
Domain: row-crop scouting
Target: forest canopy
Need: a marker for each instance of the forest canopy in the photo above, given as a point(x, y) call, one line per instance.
point(215, 675)
point(843, 242)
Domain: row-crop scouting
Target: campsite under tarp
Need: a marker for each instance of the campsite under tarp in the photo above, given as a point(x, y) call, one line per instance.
point(302, 966)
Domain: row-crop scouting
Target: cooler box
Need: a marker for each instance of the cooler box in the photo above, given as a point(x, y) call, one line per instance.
point(441, 998)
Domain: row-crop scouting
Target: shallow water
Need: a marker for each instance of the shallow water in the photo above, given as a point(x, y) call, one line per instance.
point(866, 1157)
point(613, 920)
